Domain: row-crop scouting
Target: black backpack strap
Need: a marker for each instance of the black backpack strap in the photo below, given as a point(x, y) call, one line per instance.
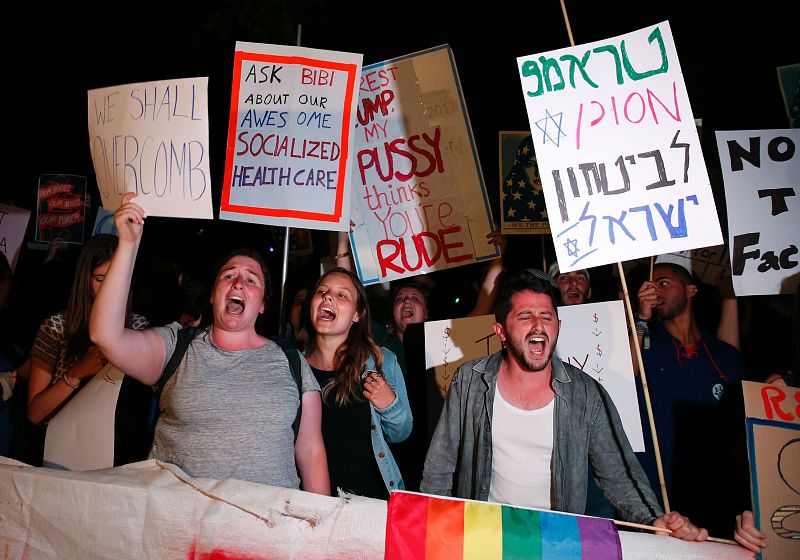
point(184, 337)
point(293, 355)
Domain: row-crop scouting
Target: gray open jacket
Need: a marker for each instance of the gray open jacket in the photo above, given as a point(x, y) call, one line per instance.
point(586, 427)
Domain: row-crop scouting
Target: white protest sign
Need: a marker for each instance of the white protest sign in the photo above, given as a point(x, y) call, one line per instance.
point(289, 137)
point(152, 138)
point(761, 172)
point(618, 151)
point(593, 338)
point(13, 223)
point(80, 437)
point(451, 342)
point(709, 264)
point(419, 200)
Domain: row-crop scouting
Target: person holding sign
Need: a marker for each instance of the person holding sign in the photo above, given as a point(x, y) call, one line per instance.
point(365, 405)
point(688, 370)
point(520, 427)
point(63, 357)
point(227, 411)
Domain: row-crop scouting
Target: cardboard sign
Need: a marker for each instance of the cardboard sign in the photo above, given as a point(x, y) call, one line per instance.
point(593, 338)
point(13, 223)
point(522, 202)
point(61, 208)
point(152, 138)
point(451, 342)
point(419, 201)
point(761, 171)
point(709, 264)
point(618, 151)
point(289, 137)
point(773, 443)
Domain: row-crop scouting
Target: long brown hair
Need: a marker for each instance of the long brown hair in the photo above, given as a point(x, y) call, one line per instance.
point(353, 353)
point(96, 251)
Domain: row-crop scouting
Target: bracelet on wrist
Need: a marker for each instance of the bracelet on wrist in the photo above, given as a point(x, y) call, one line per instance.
point(343, 255)
point(68, 382)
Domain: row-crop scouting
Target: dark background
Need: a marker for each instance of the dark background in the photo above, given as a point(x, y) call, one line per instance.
point(55, 53)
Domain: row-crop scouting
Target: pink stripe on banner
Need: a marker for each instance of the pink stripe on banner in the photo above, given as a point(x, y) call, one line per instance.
point(599, 539)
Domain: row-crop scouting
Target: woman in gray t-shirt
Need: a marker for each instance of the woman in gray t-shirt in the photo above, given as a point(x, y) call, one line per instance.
point(216, 399)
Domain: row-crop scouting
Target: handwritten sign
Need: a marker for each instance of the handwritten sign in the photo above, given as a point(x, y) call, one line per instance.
point(13, 223)
point(419, 201)
point(451, 342)
point(761, 172)
point(152, 138)
point(522, 204)
point(104, 222)
point(593, 338)
point(773, 443)
point(618, 151)
point(289, 137)
point(61, 208)
point(709, 264)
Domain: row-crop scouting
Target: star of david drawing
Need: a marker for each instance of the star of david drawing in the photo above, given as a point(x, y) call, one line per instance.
point(549, 122)
point(572, 247)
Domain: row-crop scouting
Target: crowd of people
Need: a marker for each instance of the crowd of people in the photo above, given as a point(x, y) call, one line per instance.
point(336, 401)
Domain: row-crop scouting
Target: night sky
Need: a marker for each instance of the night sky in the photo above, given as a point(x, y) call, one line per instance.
point(55, 54)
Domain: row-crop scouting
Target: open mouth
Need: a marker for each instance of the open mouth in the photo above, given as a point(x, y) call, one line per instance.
point(326, 314)
point(235, 305)
point(406, 312)
point(536, 344)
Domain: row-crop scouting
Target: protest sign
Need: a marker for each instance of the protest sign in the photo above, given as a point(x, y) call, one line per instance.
point(593, 338)
point(618, 151)
point(419, 201)
point(152, 138)
point(289, 137)
point(522, 206)
point(104, 222)
point(61, 208)
point(761, 172)
point(13, 223)
point(773, 444)
point(709, 264)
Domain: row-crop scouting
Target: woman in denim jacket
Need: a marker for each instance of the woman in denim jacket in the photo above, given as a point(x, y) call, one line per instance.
point(363, 392)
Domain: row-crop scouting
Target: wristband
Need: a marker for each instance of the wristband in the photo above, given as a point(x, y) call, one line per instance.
point(68, 382)
point(342, 255)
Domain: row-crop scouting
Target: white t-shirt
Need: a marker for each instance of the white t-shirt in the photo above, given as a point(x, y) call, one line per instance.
point(522, 449)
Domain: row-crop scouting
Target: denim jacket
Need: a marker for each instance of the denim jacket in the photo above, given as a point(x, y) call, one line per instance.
point(391, 424)
point(586, 428)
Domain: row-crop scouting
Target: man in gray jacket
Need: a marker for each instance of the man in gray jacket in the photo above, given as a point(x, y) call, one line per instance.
point(520, 426)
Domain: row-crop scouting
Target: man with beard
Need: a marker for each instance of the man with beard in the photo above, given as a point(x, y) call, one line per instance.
point(520, 426)
point(687, 371)
point(575, 286)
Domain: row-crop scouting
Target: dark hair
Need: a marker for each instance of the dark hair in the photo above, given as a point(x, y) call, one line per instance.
point(680, 271)
point(518, 281)
point(353, 353)
point(96, 250)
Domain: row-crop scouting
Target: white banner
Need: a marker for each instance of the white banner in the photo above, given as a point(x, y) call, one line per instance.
point(13, 223)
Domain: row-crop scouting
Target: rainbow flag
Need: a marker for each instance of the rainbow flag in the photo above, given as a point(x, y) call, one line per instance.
point(424, 527)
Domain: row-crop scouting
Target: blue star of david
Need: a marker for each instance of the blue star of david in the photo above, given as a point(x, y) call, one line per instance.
point(544, 124)
point(572, 247)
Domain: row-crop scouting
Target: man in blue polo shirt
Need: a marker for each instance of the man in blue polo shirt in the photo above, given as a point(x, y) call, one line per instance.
point(687, 372)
